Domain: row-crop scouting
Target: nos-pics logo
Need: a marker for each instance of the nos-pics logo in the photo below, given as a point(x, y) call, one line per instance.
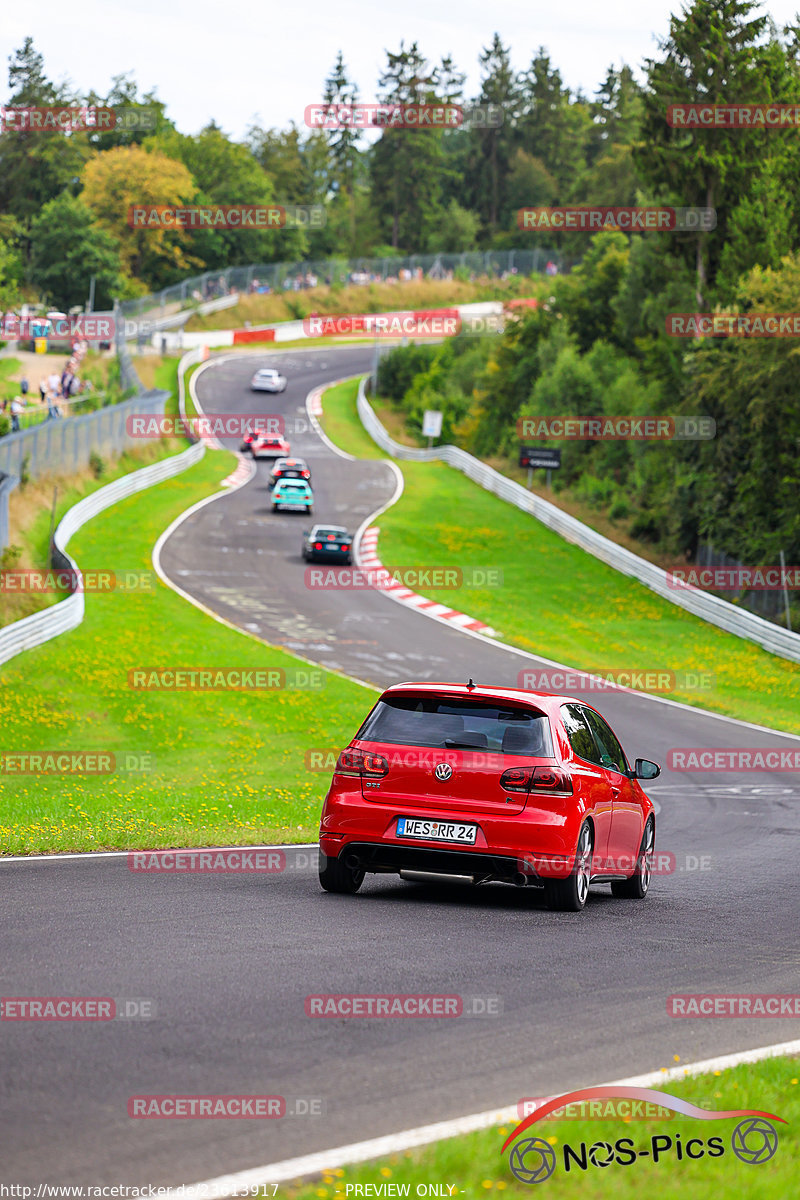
point(754, 1139)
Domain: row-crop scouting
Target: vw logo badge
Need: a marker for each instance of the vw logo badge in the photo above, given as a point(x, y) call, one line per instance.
point(443, 771)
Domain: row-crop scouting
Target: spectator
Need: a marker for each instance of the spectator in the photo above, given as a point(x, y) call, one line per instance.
point(23, 384)
point(16, 409)
point(42, 390)
point(52, 406)
point(54, 382)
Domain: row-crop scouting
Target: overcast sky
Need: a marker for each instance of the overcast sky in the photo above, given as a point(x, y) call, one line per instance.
point(236, 63)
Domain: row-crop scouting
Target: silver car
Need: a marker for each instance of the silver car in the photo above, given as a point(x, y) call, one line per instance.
point(267, 379)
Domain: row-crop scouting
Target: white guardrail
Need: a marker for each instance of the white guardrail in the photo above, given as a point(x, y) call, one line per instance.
point(41, 626)
point(709, 608)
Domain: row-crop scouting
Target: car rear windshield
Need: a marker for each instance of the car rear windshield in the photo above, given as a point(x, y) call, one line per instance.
point(431, 721)
point(330, 533)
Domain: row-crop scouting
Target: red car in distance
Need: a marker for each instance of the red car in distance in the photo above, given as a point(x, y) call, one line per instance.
point(495, 784)
point(270, 445)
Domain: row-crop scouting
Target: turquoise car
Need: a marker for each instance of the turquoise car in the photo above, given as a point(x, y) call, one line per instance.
point(292, 493)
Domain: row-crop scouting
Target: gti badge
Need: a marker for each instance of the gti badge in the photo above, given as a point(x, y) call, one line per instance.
point(443, 771)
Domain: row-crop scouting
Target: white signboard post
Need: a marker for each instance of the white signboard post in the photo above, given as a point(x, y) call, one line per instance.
point(431, 425)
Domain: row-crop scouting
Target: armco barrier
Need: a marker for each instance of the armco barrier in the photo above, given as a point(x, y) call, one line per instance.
point(40, 627)
point(709, 608)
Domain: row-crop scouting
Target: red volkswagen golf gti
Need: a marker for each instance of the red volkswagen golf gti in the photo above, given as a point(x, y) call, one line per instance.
point(495, 784)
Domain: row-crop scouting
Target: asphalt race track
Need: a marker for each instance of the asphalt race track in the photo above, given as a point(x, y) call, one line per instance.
point(229, 959)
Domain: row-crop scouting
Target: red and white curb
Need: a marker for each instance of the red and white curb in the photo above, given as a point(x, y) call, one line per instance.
point(368, 560)
point(245, 468)
point(314, 401)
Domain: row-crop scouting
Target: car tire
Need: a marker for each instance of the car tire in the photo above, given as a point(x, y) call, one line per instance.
point(334, 876)
point(570, 894)
point(637, 887)
point(308, 508)
point(274, 508)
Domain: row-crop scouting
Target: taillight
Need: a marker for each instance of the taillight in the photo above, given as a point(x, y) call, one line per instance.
point(317, 545)
point(536, 779)
point(516, 779)
point(360, 762)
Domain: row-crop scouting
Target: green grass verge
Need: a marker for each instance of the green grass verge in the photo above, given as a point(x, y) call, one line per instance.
point(226, 767)
point(557, 601)
point(473, 1165)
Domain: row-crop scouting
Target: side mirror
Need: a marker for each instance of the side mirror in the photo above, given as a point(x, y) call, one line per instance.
point(645, 769)
point(305, 533)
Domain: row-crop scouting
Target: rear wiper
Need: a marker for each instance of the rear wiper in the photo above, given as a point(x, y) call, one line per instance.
point(454, 744)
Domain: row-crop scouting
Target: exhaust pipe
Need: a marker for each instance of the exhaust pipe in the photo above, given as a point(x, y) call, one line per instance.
point(519, 879)
point(352, 861)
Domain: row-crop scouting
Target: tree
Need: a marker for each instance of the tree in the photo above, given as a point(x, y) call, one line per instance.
point(551, 127)
point(343, 143)
point(124, 93)
point(494, 143)
point(280, 154)
point(36, 165)
point(117, 180)
point(748, 491)
point(714, 54)
point(68, 249)
point(226, 173)
point(10, 264)
point(457, 230)
point(588, 294)
point(407, 164)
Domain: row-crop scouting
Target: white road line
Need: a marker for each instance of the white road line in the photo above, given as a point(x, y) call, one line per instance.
point(90, 854)
point(423, 1135)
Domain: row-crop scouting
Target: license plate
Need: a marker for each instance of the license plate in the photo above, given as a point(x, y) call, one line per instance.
point(436, 831)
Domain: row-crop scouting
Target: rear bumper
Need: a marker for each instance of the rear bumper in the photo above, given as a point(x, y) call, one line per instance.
point(384, 856)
